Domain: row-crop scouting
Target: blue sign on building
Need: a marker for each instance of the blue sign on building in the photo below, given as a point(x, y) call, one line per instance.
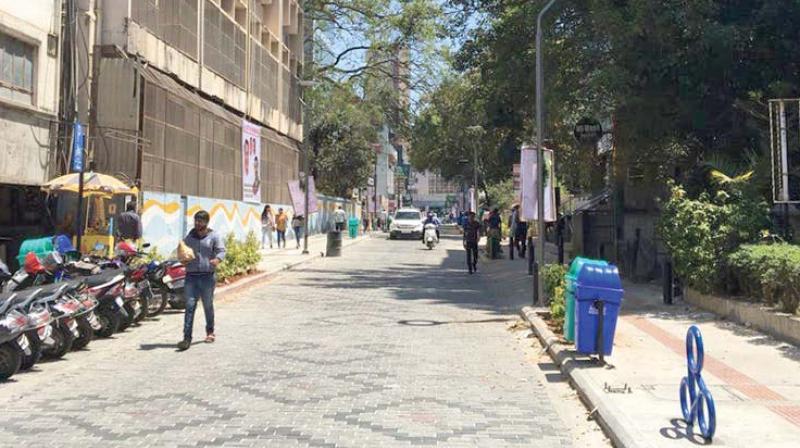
point(78, 147)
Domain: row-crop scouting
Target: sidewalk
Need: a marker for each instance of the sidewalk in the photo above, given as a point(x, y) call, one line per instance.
point(754, 379)
point(277, 260)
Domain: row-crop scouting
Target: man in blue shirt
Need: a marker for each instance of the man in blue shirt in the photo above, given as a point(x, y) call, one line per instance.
point(209, 251)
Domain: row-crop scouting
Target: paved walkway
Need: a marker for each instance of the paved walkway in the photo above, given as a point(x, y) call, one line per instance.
point(389, 345)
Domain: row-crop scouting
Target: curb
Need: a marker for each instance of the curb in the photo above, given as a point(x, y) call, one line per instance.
point(263, 276)
point(618, 428)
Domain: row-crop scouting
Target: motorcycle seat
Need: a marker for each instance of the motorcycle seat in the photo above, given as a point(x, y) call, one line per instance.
point(102, 278)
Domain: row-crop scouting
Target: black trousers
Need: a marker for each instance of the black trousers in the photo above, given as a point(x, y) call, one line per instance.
point(472, 254)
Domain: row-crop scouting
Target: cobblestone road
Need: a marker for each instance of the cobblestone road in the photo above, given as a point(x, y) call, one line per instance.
point(390, 345)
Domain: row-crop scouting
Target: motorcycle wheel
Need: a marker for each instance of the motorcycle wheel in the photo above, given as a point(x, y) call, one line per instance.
point(110, 321)
point(127, 320)
point(28, 361)
point(10, 361)
point(143, 308)
point(64, 339)
point(85, 334)
point(176, 301)
point(157, 303)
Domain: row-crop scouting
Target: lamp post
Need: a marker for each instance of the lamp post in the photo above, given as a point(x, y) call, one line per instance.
point(539, 149)
point(306, 165)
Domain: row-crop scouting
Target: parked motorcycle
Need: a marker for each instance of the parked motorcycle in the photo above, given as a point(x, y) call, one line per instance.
point(13, 341)
point(167, 282)
point(107, 289)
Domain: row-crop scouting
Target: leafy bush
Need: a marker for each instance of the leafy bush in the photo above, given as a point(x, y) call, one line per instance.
point(555, 288)
point(699, 233)
point(771, 271)
point(240, 257)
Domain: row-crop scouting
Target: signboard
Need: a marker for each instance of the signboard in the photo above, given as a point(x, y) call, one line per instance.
point(251, 162)
point(529, 172)
point(371, 200)
point(296, 194)
point(588, 130)
point(299, 199)
point(78, 147)
point(517, 171)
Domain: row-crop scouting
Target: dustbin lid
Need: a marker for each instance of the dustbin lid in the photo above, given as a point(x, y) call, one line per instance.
point(599, 282)
point(579, 262)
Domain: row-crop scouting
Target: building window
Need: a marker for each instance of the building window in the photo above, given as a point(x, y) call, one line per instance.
point(16, 69)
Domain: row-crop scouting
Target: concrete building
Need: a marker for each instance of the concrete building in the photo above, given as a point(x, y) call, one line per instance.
point(174, 84)
point(29, 97)
point(430, 190)
point(386, 162)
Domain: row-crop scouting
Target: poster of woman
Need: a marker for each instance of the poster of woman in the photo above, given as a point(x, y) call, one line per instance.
point(251, 158)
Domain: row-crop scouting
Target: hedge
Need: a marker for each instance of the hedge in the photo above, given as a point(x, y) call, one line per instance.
point(771, 271)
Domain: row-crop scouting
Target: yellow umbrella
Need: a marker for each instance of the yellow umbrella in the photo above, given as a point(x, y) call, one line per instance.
point(93, 184)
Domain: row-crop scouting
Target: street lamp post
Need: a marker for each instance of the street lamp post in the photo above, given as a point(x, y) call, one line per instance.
point(306, 165)
point(539, 149)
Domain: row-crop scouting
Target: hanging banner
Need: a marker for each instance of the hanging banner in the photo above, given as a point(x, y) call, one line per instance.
point(516, 172)
point(371, 200)
point(312, 196)
point(472, 203)
point(78, 147)
point(296, 194)
point(529, 171)
point(251, 162)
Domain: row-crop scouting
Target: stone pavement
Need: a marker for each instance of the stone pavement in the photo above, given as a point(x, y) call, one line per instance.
point(752, 377)
point(389, 345)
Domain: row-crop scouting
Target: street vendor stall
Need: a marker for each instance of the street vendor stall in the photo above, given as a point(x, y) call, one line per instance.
point(104, 197)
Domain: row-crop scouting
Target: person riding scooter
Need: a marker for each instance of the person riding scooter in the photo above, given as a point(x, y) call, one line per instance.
point(432, 219)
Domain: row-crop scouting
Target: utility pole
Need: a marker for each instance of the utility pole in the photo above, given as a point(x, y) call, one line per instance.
point(540, 183)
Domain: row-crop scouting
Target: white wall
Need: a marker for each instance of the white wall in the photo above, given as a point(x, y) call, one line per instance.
point(24, 127)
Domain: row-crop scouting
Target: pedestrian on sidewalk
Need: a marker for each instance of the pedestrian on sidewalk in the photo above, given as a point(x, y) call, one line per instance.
point(280, 227)
point(520, 238)
point(267, 226)
point(297, 226)
point(494, 234)
point(339, 218)
point(472, 234)
point(209, 251)
point(513, 220)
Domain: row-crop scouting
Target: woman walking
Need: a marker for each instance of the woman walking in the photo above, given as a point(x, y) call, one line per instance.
point(297, 226)
point(267, 226)
point(280, 226)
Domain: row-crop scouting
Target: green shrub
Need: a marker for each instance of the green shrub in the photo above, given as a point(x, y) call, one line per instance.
point(699, 233)
point(240, 257)
point(771, 271)
point(555, 287)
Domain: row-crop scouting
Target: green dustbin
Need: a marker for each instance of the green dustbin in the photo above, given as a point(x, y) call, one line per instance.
point(39, 246)
point(571, 280)
point(352, 226)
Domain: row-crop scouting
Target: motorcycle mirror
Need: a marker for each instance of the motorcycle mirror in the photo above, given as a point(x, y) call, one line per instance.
point(146, 245)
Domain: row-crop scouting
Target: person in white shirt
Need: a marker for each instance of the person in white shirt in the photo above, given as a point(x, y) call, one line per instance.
point(339, 218)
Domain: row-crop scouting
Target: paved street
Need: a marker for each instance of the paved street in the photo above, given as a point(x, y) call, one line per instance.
point(390, 345)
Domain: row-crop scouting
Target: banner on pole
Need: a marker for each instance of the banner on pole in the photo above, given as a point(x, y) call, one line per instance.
point(529, 171)
point(472, 202)
point(298, 197)
point(517, 173)
point(312, 196)
point(251, 162)
point(78, 147)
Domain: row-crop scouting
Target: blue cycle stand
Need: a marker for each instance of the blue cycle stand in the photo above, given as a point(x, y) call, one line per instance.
point(697, 404)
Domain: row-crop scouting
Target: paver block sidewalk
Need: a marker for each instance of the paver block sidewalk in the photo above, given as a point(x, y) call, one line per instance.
point(754, 379)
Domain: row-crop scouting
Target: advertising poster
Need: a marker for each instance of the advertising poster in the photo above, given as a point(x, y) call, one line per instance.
point(296, 194)
point(529, 170)
point(251, 162)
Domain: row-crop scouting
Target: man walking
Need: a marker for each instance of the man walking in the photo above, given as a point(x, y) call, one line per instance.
point(209, 251)
point(472, 233)
point(339, 218)
point(129, 224)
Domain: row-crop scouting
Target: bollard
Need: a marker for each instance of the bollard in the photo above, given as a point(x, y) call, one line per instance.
point(694, 393)
point(535, 283)
point(531, 256)
point(510, 247)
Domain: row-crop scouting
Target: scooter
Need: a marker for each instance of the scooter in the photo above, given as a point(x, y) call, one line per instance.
point(13, 341)
point(429, 236)
point(107, 289)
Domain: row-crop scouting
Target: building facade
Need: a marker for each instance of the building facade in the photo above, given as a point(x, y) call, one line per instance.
point(175, 83)
point(29, 99)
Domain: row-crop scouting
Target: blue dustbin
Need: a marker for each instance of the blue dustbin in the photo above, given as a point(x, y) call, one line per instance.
point(598, 291)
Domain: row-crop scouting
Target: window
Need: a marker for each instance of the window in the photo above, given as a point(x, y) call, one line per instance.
point(16, 69)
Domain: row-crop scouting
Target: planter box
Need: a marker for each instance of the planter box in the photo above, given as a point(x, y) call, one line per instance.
point(781, 325)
